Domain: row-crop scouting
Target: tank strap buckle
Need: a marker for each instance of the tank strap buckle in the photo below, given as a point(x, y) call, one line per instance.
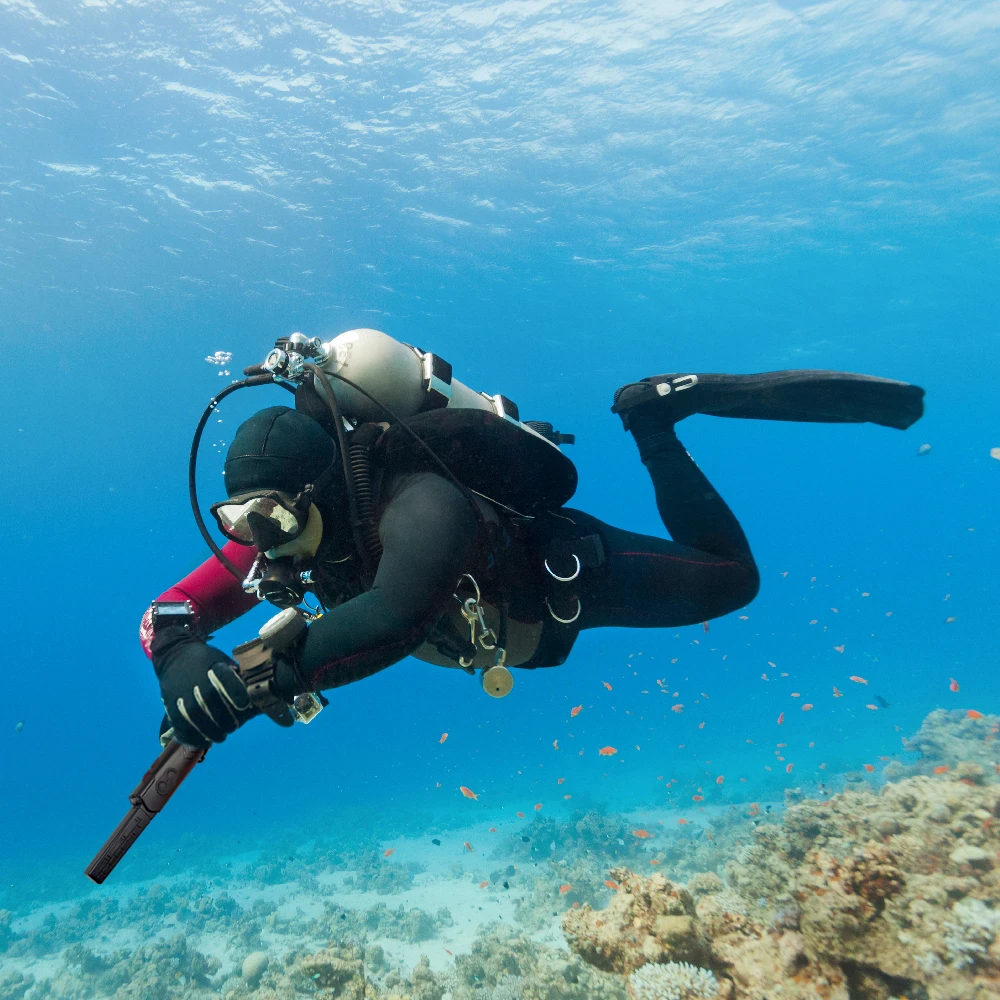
point(436, 376)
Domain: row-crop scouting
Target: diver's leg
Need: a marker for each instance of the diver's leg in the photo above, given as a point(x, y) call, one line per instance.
point(706, 571)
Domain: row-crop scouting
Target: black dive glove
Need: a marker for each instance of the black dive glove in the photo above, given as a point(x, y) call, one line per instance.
point(204, 698)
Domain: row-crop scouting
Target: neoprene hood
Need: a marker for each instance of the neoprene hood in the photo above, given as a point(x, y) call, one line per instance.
point(277, 449)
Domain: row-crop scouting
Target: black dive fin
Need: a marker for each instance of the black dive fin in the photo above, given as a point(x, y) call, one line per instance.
point(804, 395)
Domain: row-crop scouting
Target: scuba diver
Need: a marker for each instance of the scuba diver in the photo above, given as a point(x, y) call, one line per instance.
point(425, 519)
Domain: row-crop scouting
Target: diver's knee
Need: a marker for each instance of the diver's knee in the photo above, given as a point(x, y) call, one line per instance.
point(744, 588)
point(749, 587)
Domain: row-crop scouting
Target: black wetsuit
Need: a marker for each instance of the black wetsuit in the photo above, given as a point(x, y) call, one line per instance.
point(430, 536)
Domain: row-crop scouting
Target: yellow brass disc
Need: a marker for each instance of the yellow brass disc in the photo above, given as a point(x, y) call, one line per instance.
point(497, 681)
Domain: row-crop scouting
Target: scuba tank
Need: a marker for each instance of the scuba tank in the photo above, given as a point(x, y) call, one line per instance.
point(479, 437)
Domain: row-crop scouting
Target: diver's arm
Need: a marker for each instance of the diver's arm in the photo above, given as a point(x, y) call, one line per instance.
point(216, 596)
point(428, 532)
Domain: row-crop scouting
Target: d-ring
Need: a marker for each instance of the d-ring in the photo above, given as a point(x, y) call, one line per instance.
point(565, 621)
point(564, 579)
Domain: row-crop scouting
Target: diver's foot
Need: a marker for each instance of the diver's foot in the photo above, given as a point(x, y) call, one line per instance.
point(665, 398)
point(804, 395)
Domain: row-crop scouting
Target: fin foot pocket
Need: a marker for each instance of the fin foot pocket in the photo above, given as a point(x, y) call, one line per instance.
point(813, 396)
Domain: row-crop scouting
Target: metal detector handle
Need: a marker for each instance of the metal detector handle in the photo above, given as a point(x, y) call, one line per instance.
point(150, 796)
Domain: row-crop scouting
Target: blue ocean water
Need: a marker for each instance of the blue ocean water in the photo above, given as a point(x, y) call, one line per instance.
point(558, 198)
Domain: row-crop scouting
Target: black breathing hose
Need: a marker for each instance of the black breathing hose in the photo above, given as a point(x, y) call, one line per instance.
point(362, 544)
point(193, 468)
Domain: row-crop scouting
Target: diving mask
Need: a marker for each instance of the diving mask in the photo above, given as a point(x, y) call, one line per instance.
point(264, 519)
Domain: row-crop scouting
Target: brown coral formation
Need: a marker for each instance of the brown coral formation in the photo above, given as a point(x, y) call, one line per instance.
point(866, 896)
point(649, 920)
point(952, 738)
point(654, 920)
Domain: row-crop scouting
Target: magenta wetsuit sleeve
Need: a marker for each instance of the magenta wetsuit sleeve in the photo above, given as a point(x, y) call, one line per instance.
point(215, 594)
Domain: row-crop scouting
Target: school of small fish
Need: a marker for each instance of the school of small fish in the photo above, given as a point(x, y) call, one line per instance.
point(774, 675)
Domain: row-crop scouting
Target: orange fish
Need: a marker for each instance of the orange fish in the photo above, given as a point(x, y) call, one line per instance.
point(953, 685)
point(467, 792)
point(941, 769)
point(641, 834)
point(444, 736)
point(608, 751)
point(874, 708)
point(493, 829)
point(483, 885)
point(467, 845)
point(754, 809)
point(781, 718)
point(448, 951)
point(677, 708)
point(807, 707)
point(388, 851)
point(837, 693)
point(839, 649)
point(611, 885)
point(788, 768)
point(973, 714)
point(563, 889)
point(682, 822)
point(869, 768)
point(567, 796)
point(520, 815)
point(857, 679)
point(653, 861)
point(697, 798)
point(606, 684)
point(720, 779)
point(575, 711)
point(559, 781)
point(538, 806)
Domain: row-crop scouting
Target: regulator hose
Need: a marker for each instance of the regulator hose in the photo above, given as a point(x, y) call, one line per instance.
point(193, 467)
point(359, 451)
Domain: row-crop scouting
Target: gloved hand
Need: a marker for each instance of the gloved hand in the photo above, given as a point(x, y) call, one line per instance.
point(204, 698)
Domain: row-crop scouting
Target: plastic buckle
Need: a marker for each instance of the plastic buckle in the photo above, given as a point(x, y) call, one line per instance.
point(436, 374)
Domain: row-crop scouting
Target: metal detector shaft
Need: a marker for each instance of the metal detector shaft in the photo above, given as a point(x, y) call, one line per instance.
point(149, 797)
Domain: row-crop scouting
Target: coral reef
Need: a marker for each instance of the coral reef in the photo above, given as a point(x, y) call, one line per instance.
point(867, 895)
point(673, 981)
point(413, 925)
point(649, 920)
point(952, 738)
point(521, 969)
point(876, 893)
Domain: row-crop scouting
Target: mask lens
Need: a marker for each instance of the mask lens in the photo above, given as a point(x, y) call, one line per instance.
point(233, 518)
